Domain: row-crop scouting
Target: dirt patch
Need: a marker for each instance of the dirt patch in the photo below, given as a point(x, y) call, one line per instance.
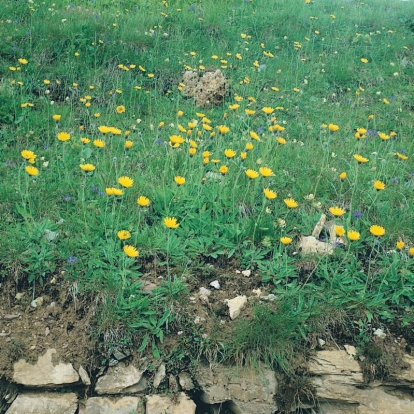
point(60, 322)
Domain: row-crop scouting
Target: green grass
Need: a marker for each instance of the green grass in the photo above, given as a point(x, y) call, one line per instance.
point(93, 57)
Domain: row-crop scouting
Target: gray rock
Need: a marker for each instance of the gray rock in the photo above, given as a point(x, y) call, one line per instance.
point(185, 380)
point(159, 375)
point(44, 372)
point(106, 405)
point(250, 391)
point(121, 379)
point(158, 404)
point(84, 376)
point(45, 403)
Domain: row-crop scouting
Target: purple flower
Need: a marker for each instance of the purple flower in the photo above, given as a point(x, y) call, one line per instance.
point(72, 260)
point(357, 214)
point(67, 198)
point(372, 133)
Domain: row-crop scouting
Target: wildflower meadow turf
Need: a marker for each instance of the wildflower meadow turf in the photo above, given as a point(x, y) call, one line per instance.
point(99, 146)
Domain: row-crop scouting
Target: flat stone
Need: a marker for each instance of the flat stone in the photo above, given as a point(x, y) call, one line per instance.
point(106, 405)
point(44, 373)
point(249, 390)
point(236, 305)
point(158, 404)
point(45, 403)
point(378, 401)
point(121, 379)
point(336, 362)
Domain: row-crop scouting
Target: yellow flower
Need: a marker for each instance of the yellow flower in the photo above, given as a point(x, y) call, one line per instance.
point(252, 174)
point(115, 131)
point(56, 117)
point(179, 180)
point(281, 140)
point(249, 111)
point(124, 234)
point(411, 251)
point(120, 109)
point(337, 211)
point(364, 60)
point(285, 240)
point(267, 110)
point(46, 81)
point(177, 139)
point(192, 143)
point(192, 124)
point(383, 136)
point(360, 159)
point(229, 153)
point(401, 156)
point(207, 127)
point(379, 185)
point(85, 140)
point(342, 176)
point(377, 230)
point(400, 245)
point(243, 155)
point(23, 61)
point(87, 167)
point(290, 202)
point(31, 170)
point(234, 107)
point(265, 171)
point(223, 170)
point(339, 231)
point(143, 201)
point(128, 144)
point(171, 222)
point(333, 127)
point(103, 129)
point(249, 146)
point(131, 251)
point(223, 129)
point(113, 191)
point(126, 181)
point(28, 155)
point(99, 143)
point(353, 235)
point(269, 194)
point(206, 154)
point(192, 151)
point(63, 136)
point(253, 135)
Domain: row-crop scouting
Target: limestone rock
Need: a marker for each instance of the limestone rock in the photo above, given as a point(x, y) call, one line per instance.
point(310, 245)
point(377, 401)
point(250, 391)
point(236, 305)
point(84, 376)
point(336, 362)
point(105, 405)
point(406, 376)
point(209, 89)
point(45, 403)
point(44, 373)
point(159, 375)
point(185, 380)
point(121, 379)
point(157, 404)
point(339, 373)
